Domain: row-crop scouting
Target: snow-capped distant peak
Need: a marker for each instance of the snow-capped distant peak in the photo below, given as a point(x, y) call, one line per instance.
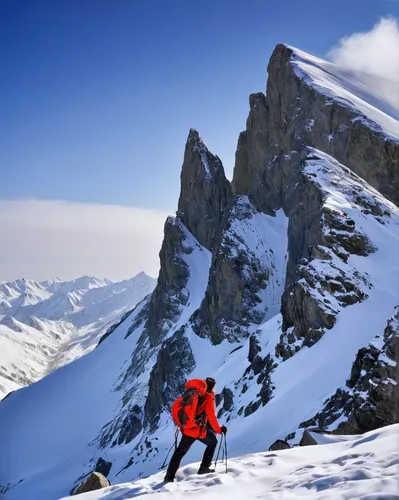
point(58, 321)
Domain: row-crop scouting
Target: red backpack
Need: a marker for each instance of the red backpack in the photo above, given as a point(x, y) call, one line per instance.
point(185, 409)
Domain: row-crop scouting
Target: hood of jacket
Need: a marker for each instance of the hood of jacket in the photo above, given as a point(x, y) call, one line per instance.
point(198, 384)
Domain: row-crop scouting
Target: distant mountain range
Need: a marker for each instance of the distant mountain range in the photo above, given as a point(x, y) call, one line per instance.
point(44, 325)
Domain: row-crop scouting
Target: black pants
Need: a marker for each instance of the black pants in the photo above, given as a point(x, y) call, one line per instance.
point(209, 440)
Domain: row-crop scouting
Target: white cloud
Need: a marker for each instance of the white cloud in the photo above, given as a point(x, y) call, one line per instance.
point(375, 55)
point(45, 239)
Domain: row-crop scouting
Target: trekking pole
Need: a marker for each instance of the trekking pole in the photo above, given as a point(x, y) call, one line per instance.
point(220, 445)
point(170, 449)
point(176, 436)
point(166, 458)
point(225, 450)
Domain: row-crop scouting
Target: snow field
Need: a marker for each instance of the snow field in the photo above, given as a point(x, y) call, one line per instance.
point(349, 467)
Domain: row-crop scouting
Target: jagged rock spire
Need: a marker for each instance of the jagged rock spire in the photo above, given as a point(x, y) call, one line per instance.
point(205, 191)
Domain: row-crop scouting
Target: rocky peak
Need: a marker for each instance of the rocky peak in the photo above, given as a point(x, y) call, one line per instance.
point(204, 199)
point(205, 192)
point(306, 109)
point(300, 110)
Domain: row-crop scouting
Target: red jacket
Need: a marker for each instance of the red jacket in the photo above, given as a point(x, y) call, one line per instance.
point(209, 408)
point(206, 407)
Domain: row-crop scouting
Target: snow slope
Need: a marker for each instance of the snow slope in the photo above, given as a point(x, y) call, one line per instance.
point(48, 324)
point(86, 398)
point(349, 467)
point(347, 88)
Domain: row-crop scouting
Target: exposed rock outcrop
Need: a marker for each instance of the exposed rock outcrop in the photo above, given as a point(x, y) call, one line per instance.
point(370, 398)
point(131, 425)
point(94, 481)
point(254, 348)
point(227, 397)
point(324, 281)
point(253, 152)
point(103, 467)
point(278, 445)
point(259, 371)
point(307, 439)
point(205, 192)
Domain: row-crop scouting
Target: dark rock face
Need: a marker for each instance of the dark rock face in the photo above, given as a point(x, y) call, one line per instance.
point(251, 408)
point(252, 149)
point(264, 379)
point(299, 308)
point(103, 467)
point(254, 348)
point(260, 369)
point(373, 374)
point(298, 114)
point(305, 222)
point(205, 192)
point(227, 397)
point(307, 439)
point(170, 293)
point(131, 426)
point(289, 436)
point(370, 398)
point(279, 445)
point(274, 180)
point(174, 361)
point(94, 481)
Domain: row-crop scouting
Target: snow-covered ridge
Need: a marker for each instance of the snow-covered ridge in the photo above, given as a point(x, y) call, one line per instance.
point(362, 467)
point(46, 324)
point(346, 88)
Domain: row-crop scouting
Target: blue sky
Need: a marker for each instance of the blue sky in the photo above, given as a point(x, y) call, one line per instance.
point(97, 97)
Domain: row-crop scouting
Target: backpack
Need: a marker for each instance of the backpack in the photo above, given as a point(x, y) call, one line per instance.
point(185, 409)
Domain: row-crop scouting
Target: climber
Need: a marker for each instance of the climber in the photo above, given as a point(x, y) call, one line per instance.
point(194, 414)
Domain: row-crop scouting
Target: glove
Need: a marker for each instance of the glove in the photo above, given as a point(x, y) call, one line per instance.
point(224, 429)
